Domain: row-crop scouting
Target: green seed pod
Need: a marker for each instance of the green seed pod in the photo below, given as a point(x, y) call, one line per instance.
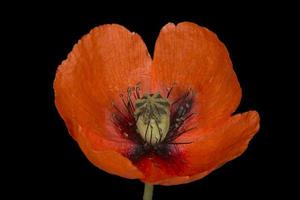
point(152, 114)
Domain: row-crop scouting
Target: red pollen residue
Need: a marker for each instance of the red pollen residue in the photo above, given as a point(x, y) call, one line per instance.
point(154, 165)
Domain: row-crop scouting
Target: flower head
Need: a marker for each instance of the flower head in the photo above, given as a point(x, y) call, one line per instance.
point(165, 121)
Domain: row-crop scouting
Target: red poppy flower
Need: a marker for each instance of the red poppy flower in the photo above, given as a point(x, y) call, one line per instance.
point(164, 121)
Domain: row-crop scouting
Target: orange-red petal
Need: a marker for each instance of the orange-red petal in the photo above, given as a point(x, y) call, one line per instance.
point(216, 145)
point(220, 144)
point(102, 65)
point(106, 159)
point(193, 57)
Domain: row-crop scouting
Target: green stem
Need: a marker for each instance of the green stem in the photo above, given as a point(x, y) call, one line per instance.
point(148, 192)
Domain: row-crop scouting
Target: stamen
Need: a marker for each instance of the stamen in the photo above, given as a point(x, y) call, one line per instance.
point(189, 116)
point(134, 94)
point(119, 111)
point(181, 132)
point(151, 122)
point(130, 104)
point(137, 89)
point(181, 98)
point(123, 100)
point(180, 113)
point(170, 90)
point(176, 143)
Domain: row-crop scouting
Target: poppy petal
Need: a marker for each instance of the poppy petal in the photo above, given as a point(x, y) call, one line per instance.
point(218, 145)
point(215, 147)
point(107, 160)
point(193, 57)
point(103, 64)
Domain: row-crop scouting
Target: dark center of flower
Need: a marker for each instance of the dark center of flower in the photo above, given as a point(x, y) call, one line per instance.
point(152, 121)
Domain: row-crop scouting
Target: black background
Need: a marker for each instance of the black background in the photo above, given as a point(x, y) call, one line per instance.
point(51, 163)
